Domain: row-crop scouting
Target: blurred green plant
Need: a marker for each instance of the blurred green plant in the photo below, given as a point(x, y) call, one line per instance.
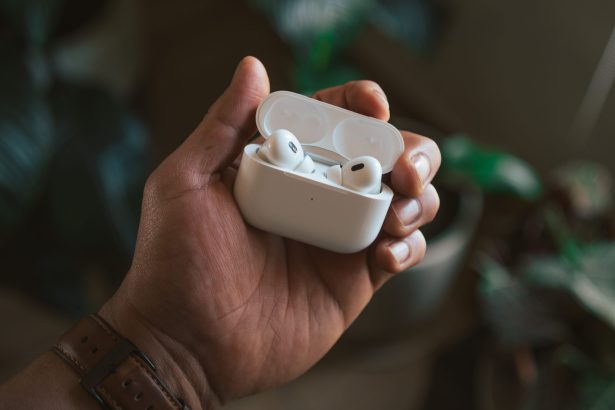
point(33, 21)
point(492, 171)
point(72, 163)
point(319, 32)
point(26, 143)
point(554, 295)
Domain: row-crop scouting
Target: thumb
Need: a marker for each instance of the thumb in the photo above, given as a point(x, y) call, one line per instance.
point(229, 123)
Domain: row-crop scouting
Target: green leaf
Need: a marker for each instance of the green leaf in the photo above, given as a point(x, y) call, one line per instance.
point(591, 279)
point(594, 283)
point(518, 315)
point(548, 271)
point(587, 187)
point(568, 246)
point(493, 171)
point(598, 391)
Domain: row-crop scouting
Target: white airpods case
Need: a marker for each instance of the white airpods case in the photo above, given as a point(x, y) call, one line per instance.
point(308, 207)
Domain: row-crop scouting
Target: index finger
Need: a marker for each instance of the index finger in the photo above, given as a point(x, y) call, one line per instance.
point(362, 96)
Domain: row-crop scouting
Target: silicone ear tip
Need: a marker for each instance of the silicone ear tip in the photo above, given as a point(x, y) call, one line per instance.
point(261, 154)
point(306, 166)
point(334, 173)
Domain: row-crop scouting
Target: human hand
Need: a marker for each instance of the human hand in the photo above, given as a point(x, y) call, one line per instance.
point(226, 309)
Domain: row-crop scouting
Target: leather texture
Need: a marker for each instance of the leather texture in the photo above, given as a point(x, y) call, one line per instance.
point(128, 383)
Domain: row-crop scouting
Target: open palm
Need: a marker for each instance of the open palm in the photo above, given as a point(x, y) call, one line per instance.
point(239, 308)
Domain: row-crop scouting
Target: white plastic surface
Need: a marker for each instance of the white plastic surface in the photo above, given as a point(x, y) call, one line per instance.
point(309, 207)
point(329, 127)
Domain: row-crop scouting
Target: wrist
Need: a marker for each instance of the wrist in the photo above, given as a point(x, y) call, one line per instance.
point(175, 365)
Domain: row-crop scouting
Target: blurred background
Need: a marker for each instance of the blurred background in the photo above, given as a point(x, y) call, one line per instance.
point(514, 305)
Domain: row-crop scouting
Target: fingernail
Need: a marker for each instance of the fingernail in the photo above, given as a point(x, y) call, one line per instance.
point(422, 167)
point(400, 251)
point(407, 211)
point(381, 95)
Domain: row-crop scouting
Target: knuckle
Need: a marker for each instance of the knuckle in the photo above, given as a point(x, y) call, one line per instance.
point(395, 227)
point(166, 177)
point(152, 184)
point(152, 180)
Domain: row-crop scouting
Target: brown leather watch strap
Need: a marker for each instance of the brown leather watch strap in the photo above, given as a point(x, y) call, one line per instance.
point(112, 369)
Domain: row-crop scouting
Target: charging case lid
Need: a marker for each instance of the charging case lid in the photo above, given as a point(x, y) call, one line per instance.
point(332, 130)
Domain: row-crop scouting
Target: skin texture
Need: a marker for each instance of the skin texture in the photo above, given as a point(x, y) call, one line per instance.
point(226, 310)
point(252, 309)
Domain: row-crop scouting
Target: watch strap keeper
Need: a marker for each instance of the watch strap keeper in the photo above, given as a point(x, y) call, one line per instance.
point(112, 369)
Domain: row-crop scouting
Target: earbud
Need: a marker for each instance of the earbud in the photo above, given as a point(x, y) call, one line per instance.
point(362, 174)
point(284, 150)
